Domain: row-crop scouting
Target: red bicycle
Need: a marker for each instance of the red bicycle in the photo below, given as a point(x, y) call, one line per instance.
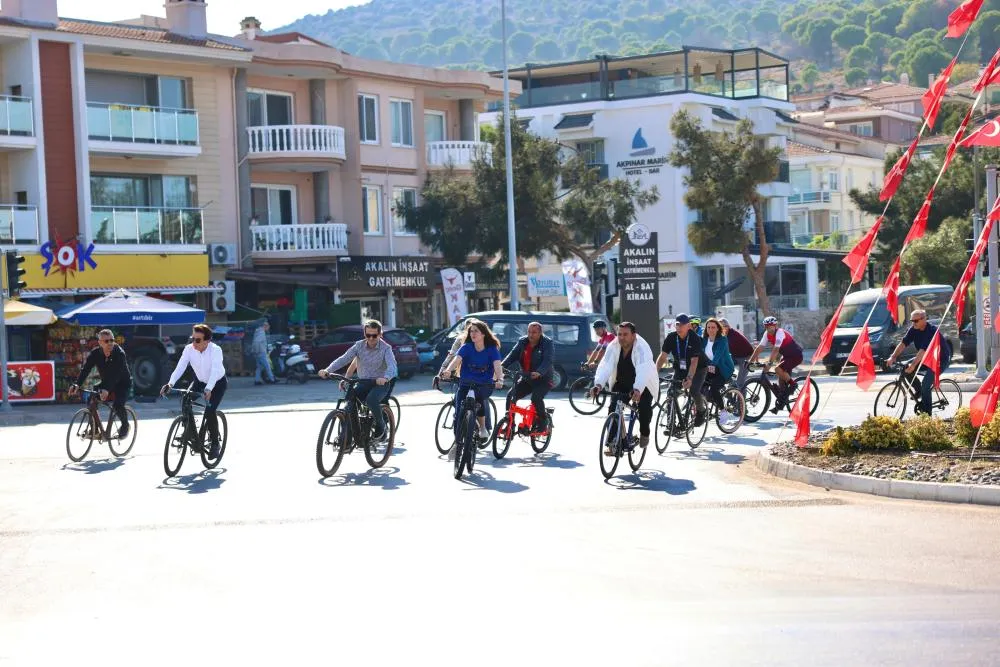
point(509, 427)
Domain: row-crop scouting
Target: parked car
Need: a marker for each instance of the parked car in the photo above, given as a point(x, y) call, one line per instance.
point(572, 335)
point(967, 343)
point(325, 349)
point(427, 350)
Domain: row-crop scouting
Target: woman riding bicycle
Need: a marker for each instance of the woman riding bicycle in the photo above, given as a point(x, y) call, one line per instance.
point(720, 362)
point(476, 362)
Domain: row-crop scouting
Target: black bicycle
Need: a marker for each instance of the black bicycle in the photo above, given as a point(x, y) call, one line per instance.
point(185, 433)
point(758, 392)
point(389, 400)
point(444, 427)
point(467, 437)
point(891, 399)
point(617, 436)
point(97, 422)
point(678, 415)
point(345, 429)
point(579, 393)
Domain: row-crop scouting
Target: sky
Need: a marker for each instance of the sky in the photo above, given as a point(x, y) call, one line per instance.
point(224, 16)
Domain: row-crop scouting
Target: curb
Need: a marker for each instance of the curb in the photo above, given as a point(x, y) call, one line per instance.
point(890, 488)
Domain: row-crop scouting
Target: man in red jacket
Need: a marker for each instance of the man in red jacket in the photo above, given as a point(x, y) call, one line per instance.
point(740, 348)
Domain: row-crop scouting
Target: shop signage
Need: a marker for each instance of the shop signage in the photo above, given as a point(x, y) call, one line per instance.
point(547, 284)
point(469, 278)
point(638, 270)
point(668, 275)
point(385, 273)
point(577, 286)
point(31, 381)
point(642, 159)
point(67, 256)
point(454, 294)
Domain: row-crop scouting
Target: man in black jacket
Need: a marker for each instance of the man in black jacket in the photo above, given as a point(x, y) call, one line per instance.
point(112, 366)
point(534, 355)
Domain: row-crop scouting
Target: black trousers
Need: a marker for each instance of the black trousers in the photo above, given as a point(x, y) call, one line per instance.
point(121, 395)
point(537, 388)
point(645, 408)
point(696, 382)
point(716, 383)
point(211, 418)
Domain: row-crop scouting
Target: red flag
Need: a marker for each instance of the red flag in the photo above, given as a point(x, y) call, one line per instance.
point(970, 271)
point(861, 356)
point(826, 340)
point(994, 213)
point(932, 358)
point(984, 403)
point(960, 19)
point(800, 413)
point(957, 139)
point(895, 175)
point(987, 135)
point(919, 227)
point(932, 98)
point(989, 75)
point(857, 259)
point(891, 291)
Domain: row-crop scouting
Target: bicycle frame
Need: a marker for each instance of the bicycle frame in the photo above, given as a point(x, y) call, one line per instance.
point(528, 416)
point(624, 401)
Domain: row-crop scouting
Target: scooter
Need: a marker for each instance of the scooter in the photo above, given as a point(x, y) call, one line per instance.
point(289, 361)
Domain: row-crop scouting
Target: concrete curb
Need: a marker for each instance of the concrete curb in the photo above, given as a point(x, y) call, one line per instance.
point(890, 488)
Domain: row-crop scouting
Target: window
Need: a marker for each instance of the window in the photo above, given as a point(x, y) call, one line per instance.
point(865, 129)
point(562, 334)
point(269, 108)
point(434, 126)
point(273, 204)
point(137, 89)
point(850, 179)
point(786, 286)
point(371, 208)
point(402, 122)
point(172, 93)
point(368, 118)
point(850, 222)
point(133, 191)
point(834, 222)
point(591, 151)
point(401, 197)
point(833, 181)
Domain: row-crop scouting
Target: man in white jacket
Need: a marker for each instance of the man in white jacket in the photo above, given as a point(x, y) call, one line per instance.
point(629, 365)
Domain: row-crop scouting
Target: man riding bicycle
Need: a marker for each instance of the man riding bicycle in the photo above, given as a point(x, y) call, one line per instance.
point(205, 359)
point(627, 367)
point(112, 365)
point(784, 345)
point(376, 369)
point(604, 338)
point(534, 354)
point(920, 334)
point(690, 361)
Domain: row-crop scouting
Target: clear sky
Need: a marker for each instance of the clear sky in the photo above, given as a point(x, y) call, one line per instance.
point(224, 16)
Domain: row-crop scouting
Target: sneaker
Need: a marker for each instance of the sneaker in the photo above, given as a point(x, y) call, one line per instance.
point(643, 440)
point(699, 419)
point(216, 449)
point(484, 433)
point(379, 437)
point(123, 431)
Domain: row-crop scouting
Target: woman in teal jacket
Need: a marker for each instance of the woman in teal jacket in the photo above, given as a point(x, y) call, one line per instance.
point(720, 361)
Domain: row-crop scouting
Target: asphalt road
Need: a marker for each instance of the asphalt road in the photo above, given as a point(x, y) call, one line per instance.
point(697, 559)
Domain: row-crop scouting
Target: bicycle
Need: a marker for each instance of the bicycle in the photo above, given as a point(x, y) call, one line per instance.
point(390, 400)
point(88, 424)
point(345, 429)
point(444, 427)
point(579, 391)
point(758, 390)
point(193, 436)
point(675, 418)
point(616, 440)
point(467, 438)
point(892, 397)
point(508, 427)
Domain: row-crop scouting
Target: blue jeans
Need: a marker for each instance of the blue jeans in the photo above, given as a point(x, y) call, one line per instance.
point(927, 385)
point(482, 393)
point(263, 369)
point(372, 395)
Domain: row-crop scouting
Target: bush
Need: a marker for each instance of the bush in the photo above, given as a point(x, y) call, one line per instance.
point(927, 434)
point(842, 442)
point(965, 432)
point(881, 433)
point(990, 435)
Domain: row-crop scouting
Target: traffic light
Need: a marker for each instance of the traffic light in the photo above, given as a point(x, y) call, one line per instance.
point(14, 272)
point(599, 269)
point(611, 278)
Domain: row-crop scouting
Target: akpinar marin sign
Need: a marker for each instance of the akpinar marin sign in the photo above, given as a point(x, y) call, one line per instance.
point(643, 159)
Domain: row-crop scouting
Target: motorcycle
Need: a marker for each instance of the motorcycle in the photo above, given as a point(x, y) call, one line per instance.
point(290, 361)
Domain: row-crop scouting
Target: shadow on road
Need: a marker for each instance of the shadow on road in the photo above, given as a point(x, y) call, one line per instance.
point(714, 454)
point(652, 480)
point(95, 466)
point(482, 480)
point(543, 460)
point(383, 478)
point(200, 482)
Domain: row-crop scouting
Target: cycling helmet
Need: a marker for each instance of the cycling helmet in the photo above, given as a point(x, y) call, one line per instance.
point(769, 320)
point(695, 320)
point(600, 324)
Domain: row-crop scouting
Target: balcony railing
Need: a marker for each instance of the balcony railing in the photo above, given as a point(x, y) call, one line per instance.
point(16, 117)
point(776, 232)
point(142, 124)
point(120, 225)
point(19, 225)
point(816, 197)
point(307, 140)
point(318, 238)
point(459, 154)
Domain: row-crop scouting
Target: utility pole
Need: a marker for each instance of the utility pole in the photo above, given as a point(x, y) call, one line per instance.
point(991, 196)
point(4, 390)
point(511, 237)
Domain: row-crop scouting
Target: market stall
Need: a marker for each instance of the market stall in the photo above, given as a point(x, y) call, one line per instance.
point(28, 381)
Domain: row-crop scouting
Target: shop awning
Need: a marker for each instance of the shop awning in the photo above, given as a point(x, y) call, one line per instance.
point(74, 291)
point(122, 307)
point(21, 314)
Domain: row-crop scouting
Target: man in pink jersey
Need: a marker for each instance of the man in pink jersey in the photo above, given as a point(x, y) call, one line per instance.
point(782, 344)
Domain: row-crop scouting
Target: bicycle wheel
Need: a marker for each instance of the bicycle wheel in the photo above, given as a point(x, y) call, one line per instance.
point(541, 444)
point(121, 447)
point(463, 442)
point(891, 401)
point(444, 428)
point(757, 397)
point(813, 394)
point(223, 425)
point(580, 401)
point(947, 399)
point(609, 443)
point(734, 404)
point(79, 436)
point(502, 437)
point(377, 453)
point(695, 433)
point(332, 442)
point(175, 448)
point(666, 420)
point(636, 455)
point(397, 413)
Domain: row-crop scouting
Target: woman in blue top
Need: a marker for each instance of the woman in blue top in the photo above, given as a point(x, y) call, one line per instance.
point(477, 363)
point(720, 361)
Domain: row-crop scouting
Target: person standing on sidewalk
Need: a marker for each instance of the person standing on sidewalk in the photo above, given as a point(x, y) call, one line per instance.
point(259, 350)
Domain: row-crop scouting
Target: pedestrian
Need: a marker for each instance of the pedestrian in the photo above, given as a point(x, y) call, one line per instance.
point(259, 350)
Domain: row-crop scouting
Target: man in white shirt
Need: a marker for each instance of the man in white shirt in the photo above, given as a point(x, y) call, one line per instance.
point(628, 366)
point(205, 359)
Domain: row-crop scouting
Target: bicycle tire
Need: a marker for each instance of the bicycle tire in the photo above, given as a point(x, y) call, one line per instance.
point(493, 420)
point(579, 400)
point(695, 434)
point(332, 439)
point(223, 425)
point(81, 431)
point(733, 403)
point(463, 442)
point(539, 445)
point(130, 439)
point(502, 437)
point(666, 419)
point(377, 458)
point(637, 451)
point(398, 412)
point(813, 394)
point(175, 444)
point(947, 407)
point(444, 428)
point(894, 402)
point(757, 396)
point(616, 452)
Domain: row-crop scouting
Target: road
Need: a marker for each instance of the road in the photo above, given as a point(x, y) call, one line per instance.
point(697, 559)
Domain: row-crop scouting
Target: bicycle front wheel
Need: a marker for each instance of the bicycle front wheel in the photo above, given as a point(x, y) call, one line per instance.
point(397, 412)
point(757, 396)
point(332, 442)
point(695, 432)
point(444, 429)
point(666, 420)
point(122, 446)
point(636, 455)
point(579, 400)
point(175, 448)
point(734, 408)
point(813, 394)
point(80, 435)
point(463, 441)
point(609, 451)
point(377, 453)
point(223, 425)
point(502, 437)
point(891, 401)
point(947, 399)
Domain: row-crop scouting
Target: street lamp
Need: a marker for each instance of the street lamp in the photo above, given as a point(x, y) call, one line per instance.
point(511, 239)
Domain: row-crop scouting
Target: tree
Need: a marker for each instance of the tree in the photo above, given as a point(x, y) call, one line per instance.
point(880, 45)
point(924, 14)
point(886, 19)
point(819, 39)
point(860, 56)
point(940, 257)
point(521, 44)
point(855, 76)
point(848, 36)
point(765, 23)
point(986, 31)
point(724, 171)
point(810, 75)
point(925, 63)
point(546, 51)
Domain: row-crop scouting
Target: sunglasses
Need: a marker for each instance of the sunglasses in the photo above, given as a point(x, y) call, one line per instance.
point(197, 340)
point(368, 335)
point(919, 319)
point(106, 341)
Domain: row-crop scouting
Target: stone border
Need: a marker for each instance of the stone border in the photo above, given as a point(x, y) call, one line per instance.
point(891, 488)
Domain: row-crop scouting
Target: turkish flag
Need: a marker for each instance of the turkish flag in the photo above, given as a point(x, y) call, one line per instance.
point(857, 259)
point(891, 291)
point(960, 19)
point(957, 139)
point(932, 358)
point(919, 226)
point(861, 356)
point(984, 403)
point(932, 98)
point(895, 175)
point(989, 75)
point(800, 413)
point(826, 340)
point(987, 135)
point(970, 271)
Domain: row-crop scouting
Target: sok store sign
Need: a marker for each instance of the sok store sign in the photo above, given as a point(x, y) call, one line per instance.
point(385, 273)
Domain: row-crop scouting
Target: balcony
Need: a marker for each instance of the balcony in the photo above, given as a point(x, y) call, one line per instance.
point(281, 243)
point(17, 122)
point(816, 197)
point(117, 225)
point(776, 233)
point(290, 145)
point(457, 154)
point(142, 131)
point(19, 226)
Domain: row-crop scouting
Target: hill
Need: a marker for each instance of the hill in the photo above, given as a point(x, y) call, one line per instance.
point(830, 41)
